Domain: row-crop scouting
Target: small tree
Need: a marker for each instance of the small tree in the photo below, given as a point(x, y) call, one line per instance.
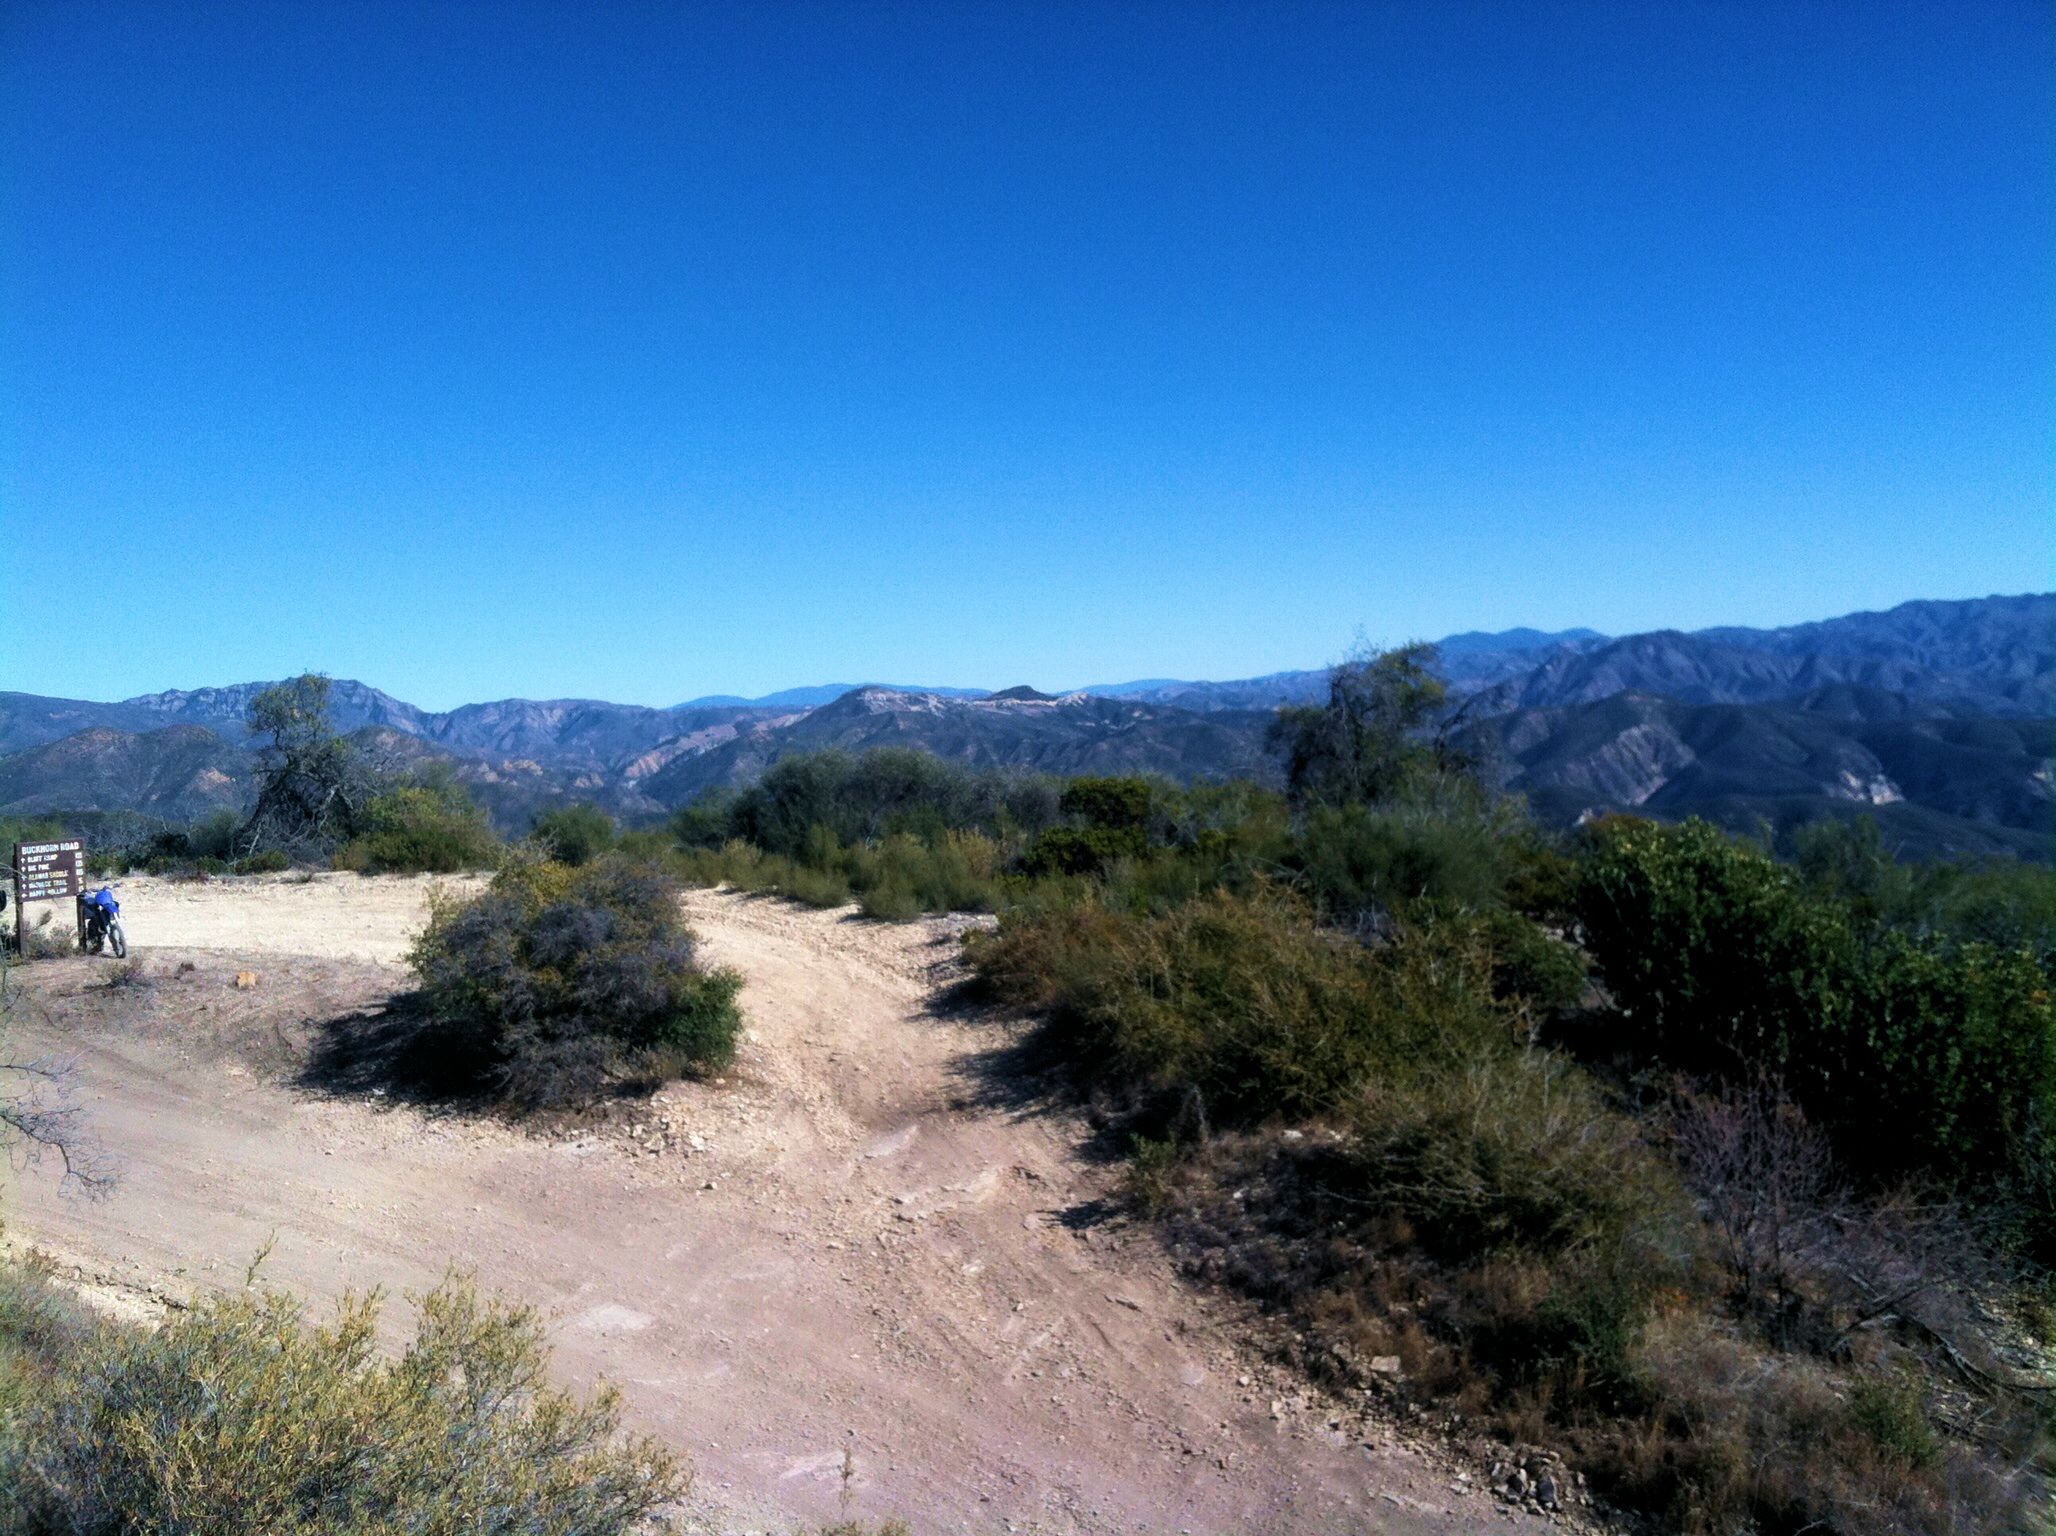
point(431, 826)
point(576, 834)
point(1364, 745)
point(1108, 819)
point(313, 785)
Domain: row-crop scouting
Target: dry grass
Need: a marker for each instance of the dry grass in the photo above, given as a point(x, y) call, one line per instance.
point(1621, 1348)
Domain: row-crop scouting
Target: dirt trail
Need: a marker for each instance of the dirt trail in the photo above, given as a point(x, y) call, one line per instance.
point(863, 1241)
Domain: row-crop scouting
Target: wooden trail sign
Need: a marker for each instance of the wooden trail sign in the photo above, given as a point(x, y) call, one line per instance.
point(45, 872)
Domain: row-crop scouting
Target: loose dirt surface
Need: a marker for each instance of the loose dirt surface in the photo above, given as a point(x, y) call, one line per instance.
point(877, 1237)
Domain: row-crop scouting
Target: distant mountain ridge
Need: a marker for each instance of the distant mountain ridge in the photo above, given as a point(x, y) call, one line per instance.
point(1993, 655)
point(1276, 687)
point(1077, 733)
point(595, 733)
point(815, 695)
point(575, 732)
point(1932, 713)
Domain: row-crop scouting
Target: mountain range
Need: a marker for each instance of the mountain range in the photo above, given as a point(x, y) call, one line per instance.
point(1936, 716)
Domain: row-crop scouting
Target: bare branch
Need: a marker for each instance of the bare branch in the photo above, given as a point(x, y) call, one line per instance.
point(39, 1115)
point(1766, 1177)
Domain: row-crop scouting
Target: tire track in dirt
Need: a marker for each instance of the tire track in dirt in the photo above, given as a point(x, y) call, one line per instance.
point(868, 1239)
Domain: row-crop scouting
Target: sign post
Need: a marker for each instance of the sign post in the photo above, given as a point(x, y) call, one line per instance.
point(45, 872)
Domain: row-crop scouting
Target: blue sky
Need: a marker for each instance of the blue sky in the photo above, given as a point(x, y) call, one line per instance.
point(646, 351)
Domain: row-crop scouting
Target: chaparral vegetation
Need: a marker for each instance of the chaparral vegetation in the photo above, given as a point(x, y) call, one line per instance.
point(1722, 1170)
point(1728, 1173)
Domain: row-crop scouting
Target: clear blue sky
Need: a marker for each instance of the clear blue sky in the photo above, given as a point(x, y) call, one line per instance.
point(643, 351)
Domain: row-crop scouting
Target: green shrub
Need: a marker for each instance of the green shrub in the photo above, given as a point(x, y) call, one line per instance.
point(1503, 1150)
point(214, 837)
point(1083, 850)
point(41, 1328)
point(207, 844)
point(433, 827)
point(646, 845)
point(896, 879)
point(1948, 1065)
point(864, 797)
point(575, 834)
point(1108, 820)
point(242, 1418)
point(1452, 848)
point(1919, 1056)
point(1891, 1412)
point(1845, 859)
point(951, 872)
point(1244, 1003)
point(1152, 1168)
point(557, 983)
point(1116, 804)
point(1535, 973)
point(1243, 1000)
point(811, 887)
point(15, 830)
point(748, 868)
point(732, 863)
point(271, 861)
point(1709, 950)
point(890, 904)
point(2007, 903)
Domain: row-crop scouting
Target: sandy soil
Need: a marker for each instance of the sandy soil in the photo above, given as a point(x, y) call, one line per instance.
point(332, 916)
point(874, 1237)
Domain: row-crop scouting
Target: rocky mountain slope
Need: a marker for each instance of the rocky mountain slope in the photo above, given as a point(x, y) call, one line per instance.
point(180, 773)
point(1979, 785)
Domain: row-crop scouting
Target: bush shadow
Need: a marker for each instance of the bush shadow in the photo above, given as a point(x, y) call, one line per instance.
point(1031, 1072)
point(395, 1052)
point(398, 1053)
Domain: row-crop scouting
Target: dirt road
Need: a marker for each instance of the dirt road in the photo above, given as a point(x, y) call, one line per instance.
point(871, 1238)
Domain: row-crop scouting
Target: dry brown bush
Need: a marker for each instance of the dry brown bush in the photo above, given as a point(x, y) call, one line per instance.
point(1642, 1365)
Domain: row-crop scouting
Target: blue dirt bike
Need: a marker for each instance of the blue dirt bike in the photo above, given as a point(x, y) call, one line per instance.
point(100, 924)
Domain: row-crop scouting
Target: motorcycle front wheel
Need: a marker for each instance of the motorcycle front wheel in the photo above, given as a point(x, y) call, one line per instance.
point(117, 940)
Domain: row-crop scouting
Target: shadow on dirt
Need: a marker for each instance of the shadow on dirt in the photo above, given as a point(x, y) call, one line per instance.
point(1087, 1214)
point(398, 1053)
point(395, 1052)
point(1031, 1074)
